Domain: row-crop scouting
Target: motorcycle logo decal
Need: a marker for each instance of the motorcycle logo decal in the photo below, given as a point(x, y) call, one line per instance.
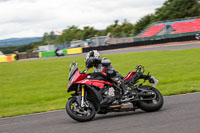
point(85, 81)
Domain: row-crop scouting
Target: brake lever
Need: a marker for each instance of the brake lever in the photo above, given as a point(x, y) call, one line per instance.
point(84, 71)
point(148, 74)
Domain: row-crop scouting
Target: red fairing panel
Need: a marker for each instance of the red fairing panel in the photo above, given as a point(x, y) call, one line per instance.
point(103, 72)
point(77, 77)
point(81, 76)
point(98, 83)
point(129, 76)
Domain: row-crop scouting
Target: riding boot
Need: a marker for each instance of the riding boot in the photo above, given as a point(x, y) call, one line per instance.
point(124, 87)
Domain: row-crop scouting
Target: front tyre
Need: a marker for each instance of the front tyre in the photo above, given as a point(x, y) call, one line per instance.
point(151, 105)
point(78, 113)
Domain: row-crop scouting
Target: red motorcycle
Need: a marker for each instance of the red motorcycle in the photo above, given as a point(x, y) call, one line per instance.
point(98, 93)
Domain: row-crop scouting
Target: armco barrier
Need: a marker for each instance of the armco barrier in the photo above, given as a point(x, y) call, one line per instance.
point(75, 51)
point(3, 58)
point(40, 54)
point(32, 54)
point(9, 59)
point(13, 57)
point(141, 43)
point(26, 55)
point(64, 51)
point(22, 56)
point(48, 54)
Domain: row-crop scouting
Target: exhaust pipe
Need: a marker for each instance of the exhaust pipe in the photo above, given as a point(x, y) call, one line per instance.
point(123, 107)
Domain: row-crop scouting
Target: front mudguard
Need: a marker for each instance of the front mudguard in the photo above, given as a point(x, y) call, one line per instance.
point(78, 99)
point(92, 95)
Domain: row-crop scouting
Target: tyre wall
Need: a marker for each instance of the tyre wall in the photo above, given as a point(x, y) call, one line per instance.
point(9, 58)
point(64, 51)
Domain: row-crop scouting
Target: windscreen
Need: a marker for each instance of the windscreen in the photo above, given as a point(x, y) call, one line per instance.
point(73, 70)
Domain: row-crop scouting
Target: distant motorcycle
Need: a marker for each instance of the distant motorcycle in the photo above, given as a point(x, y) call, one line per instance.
point(98, 93)
point(197, 36)
point(59, 52)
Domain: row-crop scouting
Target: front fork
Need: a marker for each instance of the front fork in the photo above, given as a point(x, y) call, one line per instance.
point(82, 95)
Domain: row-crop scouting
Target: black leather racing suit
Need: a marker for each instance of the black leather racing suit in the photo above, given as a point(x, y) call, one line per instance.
point(106, 63)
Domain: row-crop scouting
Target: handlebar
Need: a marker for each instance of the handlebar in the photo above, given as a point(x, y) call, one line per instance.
point(139, 68)
point(76, 64)
point(84, 71)
point(72, 64)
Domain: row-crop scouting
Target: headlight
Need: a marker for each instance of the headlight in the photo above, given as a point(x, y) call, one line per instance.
point(71, 79)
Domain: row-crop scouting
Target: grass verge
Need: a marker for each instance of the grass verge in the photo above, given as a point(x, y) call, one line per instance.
point(40, 85)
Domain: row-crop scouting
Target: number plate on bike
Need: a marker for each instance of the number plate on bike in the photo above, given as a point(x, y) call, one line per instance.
point(155, 81)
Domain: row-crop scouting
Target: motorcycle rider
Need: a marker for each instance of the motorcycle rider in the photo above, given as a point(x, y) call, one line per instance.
point(93, 60)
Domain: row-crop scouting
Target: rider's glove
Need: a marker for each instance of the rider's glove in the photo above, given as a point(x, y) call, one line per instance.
point(151, 80)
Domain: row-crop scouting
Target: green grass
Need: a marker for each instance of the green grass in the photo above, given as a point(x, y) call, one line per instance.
point(40, 85)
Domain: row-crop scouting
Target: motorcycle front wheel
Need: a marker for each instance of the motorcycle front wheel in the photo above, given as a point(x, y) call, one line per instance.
point(151, 105)
point(78, 113)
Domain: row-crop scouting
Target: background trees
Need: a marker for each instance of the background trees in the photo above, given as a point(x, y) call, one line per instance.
point(171, 9)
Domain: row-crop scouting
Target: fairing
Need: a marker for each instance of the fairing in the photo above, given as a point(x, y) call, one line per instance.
point(104, 72)
point(77, 77)
point(97, 83)
point(129, 76)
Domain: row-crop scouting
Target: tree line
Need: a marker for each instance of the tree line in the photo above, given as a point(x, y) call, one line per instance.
point(171, 9)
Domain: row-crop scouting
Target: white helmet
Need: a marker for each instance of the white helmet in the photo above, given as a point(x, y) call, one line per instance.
point(90, 56)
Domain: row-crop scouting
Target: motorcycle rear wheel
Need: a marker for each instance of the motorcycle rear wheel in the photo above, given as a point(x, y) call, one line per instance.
point(79, 114)
point(151, 105)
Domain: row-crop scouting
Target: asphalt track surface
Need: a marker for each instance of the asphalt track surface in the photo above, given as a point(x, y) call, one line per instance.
point(180, 114)
point(135, 49)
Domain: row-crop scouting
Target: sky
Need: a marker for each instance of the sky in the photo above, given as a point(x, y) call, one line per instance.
point(32, 18)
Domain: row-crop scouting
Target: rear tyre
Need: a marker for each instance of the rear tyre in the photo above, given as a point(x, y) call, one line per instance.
point(78, 113)
point(152, 105)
